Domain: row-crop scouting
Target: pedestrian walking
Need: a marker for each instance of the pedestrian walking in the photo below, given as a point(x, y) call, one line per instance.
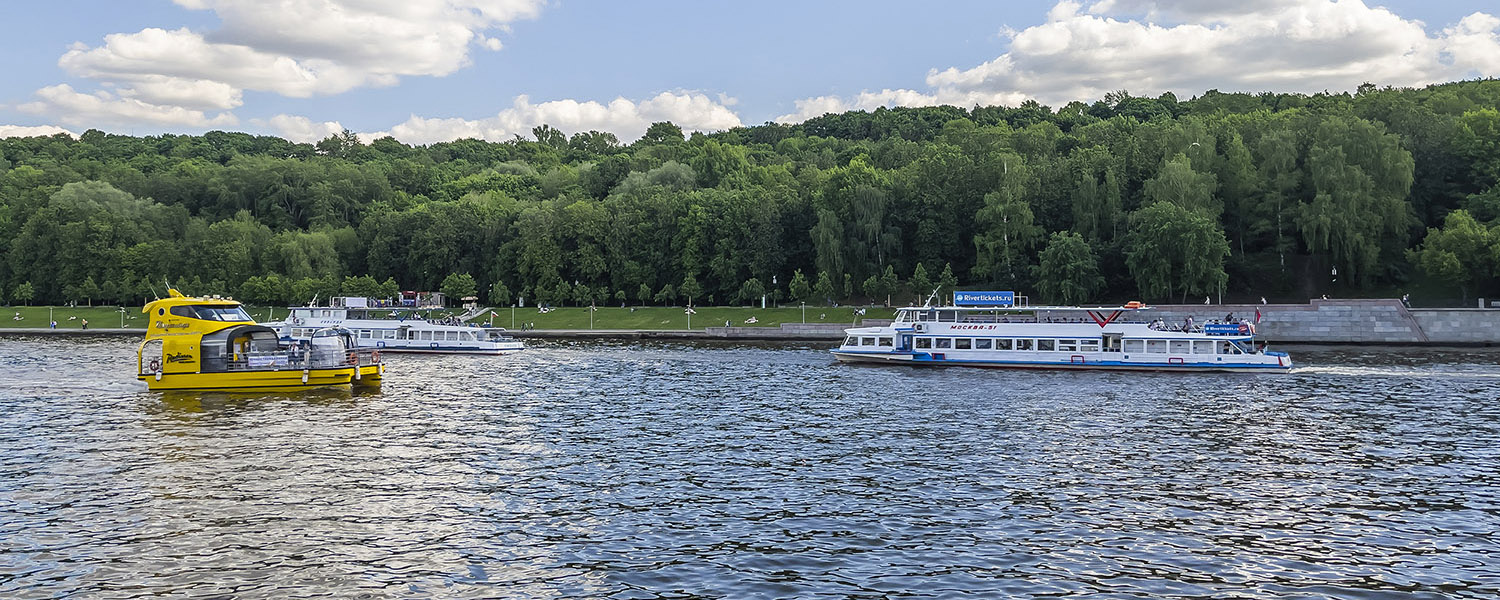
point(85, 323)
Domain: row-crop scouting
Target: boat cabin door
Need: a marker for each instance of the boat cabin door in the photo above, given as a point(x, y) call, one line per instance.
point(152, 359)
point(1111, 342)
point(903, 342)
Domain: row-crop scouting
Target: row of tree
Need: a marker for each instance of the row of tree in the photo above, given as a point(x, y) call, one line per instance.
point(1272, 194)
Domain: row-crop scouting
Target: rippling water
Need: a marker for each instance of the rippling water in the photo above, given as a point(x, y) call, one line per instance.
point(676, 470)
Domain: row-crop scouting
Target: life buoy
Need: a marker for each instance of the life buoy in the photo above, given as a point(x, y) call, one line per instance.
point(353, 358)
point(153, 366)
point(375, 356)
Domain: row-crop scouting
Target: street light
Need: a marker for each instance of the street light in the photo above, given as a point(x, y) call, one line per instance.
point(804, 312)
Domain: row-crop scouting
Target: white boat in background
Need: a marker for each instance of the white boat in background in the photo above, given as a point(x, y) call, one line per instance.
point(1000, 329)
point(394, 329)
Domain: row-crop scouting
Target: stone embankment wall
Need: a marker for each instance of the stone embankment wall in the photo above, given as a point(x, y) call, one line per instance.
point(1352, 321)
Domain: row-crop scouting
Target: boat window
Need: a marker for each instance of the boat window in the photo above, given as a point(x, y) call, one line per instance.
point(1156, 346)
point(885, 341)
point(1088, 345)
point(1046, 345)
point(1067, 345)
point(982, 344)
point(944, 343)
point(903, 316)
point(1024, 345)
point(1181, 346)
point(364, 334)
point(424, 335)
point(1203, 347)
point(1004, 344)
point(963, 344)
point(1227, 348)
point(389, 334)
point(851, 341)
point(1135, 345)
point(948, 316)
point(924, 342)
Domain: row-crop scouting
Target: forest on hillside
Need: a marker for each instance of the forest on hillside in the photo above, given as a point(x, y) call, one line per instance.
point(1246, 195)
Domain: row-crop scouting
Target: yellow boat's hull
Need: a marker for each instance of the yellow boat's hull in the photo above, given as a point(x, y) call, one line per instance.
point(370, 375)
point(290, 380)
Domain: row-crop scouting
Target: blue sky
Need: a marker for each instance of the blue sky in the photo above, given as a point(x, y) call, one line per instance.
point(311, 67)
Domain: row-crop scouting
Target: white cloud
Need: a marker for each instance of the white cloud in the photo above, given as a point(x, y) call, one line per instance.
point(1475, 43)
point(300, 129)
point(154, 54)
point(626, 119)
point(1187, 46)
point(296, 48)
point(187, 93)
point(103, 108)
point(7, 131)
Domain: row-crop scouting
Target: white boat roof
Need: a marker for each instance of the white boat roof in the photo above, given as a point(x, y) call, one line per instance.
point(1027, 308)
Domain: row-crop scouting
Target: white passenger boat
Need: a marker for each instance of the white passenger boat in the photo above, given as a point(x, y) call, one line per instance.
point(1000, 329)
point(394, 329)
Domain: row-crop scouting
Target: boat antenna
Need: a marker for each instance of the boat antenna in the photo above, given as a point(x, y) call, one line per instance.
point(314, 301)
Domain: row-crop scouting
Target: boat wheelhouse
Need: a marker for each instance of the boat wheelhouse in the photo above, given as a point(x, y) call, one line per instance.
point(1000, 329)
point(394, 329)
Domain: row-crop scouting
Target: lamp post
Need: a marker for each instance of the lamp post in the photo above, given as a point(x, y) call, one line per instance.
point(804, 311)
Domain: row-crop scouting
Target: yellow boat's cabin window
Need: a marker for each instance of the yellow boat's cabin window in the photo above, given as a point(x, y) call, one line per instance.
point(211, 313)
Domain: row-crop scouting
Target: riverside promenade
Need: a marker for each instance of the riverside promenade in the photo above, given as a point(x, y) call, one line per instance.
point(1337, 321)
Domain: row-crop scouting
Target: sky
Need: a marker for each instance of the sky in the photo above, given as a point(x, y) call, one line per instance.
point(437, 70)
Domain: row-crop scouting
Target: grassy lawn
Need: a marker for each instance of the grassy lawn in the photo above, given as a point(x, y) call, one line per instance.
point(606, 317)
point(655, 317)
point(99, 317)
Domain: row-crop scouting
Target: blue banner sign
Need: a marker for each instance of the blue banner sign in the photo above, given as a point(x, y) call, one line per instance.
point(984, 298)
point(1225, 329)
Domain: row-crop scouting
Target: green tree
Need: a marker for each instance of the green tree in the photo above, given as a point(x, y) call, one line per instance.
point(690, 289)
point(499, 294)
point(1179, 184)
point(800, 288)
point(643, 294)
point(667, 295)
point(89, 289)
point(921, 283)
point(1171, 249)
point(1068, 271)
point(751, 291)
point(457, 286)
point(873, 288)
point(1006, 237)
point(947, 281)
point(889, 284)
point(823, 288)
point(1463, 252)
point(24, 293)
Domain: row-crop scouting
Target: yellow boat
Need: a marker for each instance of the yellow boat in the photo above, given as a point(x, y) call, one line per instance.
point(212, 344)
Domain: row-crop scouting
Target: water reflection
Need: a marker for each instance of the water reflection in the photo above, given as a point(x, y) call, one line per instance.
point(713, 470)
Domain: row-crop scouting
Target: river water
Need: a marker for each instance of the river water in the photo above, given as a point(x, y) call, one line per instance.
point(681, 470)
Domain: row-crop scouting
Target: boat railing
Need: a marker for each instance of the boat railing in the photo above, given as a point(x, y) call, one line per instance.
point(293, 359)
